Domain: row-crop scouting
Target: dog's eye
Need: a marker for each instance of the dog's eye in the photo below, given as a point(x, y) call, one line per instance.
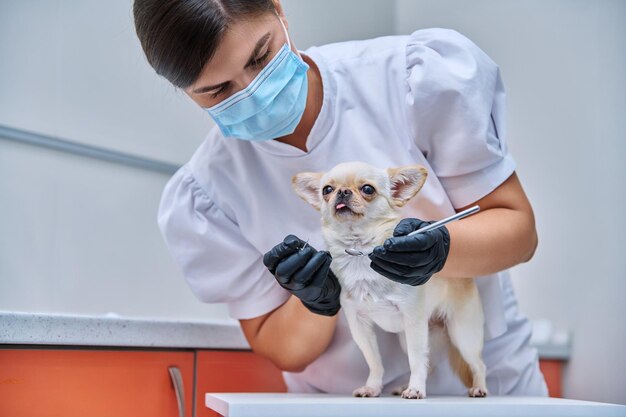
point(327, 190)
point(368, 189)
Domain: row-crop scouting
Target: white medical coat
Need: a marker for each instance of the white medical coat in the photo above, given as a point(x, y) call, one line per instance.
point(432, 98)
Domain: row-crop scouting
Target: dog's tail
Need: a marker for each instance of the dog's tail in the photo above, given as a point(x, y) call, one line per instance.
point(458, 364)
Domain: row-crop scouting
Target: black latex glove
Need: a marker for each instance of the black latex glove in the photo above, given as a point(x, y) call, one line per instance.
point(412, 259)
point(306, 274)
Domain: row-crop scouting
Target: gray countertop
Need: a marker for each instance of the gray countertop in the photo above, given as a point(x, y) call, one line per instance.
point(76, 330)
point(110, 330)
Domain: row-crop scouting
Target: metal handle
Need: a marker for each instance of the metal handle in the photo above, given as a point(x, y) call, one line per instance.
point(447, 220)
point(177, 381)
point(457, 216)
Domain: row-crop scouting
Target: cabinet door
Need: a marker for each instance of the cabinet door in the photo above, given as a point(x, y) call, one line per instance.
point(94, 383)
point(233, 371)
point(551, 370)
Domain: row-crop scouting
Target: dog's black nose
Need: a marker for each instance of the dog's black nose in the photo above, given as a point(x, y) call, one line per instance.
point(346, 192)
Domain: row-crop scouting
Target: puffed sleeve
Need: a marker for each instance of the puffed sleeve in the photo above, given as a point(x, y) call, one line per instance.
point(456, 108)
point(218, 263)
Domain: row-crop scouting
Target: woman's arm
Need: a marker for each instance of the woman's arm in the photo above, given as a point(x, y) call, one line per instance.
point(500, 236)
point(290, 336)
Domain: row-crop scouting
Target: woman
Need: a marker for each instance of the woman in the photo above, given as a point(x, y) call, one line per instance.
point(432, 98)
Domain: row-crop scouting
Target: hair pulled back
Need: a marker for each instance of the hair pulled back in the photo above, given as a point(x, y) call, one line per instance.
point(180, 36)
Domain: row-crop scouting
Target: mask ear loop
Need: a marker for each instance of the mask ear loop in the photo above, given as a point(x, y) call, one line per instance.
point(284, 31)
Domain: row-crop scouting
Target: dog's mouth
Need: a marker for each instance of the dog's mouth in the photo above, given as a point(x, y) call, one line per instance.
point(343, 209)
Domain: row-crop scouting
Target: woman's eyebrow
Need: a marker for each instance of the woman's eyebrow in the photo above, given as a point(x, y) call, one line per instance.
point(257, 48)
point(260, 43)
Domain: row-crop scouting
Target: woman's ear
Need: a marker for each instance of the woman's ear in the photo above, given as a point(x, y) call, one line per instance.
point(279, 11)
point(307, 186)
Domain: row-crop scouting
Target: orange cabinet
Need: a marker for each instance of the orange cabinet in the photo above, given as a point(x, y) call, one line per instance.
point(551, 369)
point(80, 382)
point(233, 371)
point(69, 382)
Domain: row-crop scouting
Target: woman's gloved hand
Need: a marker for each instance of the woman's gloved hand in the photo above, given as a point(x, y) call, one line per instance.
point(412, 259)
point(305, 272)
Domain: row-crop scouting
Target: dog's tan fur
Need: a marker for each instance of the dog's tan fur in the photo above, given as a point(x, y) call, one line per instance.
point(368, 298)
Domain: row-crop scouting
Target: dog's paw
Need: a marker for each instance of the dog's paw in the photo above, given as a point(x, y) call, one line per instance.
point(413, 394)
point(400, 389)
point(366, 391)
point(477, 392)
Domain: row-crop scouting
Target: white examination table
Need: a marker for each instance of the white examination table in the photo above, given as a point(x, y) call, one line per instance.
point(325, 405)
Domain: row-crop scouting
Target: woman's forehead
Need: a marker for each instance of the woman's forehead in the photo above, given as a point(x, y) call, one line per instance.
point(234, 50)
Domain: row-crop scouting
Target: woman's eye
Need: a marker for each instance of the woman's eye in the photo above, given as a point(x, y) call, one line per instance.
point(258, 62)
point(221, 90)
point(368, 189)
point(261, 60)
point(327, 190)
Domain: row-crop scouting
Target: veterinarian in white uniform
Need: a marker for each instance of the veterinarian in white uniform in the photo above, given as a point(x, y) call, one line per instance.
point(432, 98)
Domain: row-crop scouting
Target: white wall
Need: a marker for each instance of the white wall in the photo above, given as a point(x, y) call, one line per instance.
point(74, 69)
point(564, 66)
point(324, 21)
point(78, 235)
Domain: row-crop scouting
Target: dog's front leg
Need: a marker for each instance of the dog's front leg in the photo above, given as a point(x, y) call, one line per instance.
point(416, 333)
point(363, 334)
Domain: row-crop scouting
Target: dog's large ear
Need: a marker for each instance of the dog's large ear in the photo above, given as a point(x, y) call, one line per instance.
point(307, 186)
point(406, 182)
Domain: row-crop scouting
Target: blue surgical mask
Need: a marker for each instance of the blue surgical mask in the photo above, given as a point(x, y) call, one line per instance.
point(272, 105)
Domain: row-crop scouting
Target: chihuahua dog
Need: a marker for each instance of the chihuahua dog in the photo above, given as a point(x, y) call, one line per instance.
point(359, 209)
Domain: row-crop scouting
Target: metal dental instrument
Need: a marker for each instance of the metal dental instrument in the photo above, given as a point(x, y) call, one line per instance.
point(442, 222)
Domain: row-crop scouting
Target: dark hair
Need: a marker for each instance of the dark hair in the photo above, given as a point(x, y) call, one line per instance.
point(180, 36)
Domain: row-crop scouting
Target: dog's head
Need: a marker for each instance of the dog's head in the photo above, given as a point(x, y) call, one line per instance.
point(355, 191)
